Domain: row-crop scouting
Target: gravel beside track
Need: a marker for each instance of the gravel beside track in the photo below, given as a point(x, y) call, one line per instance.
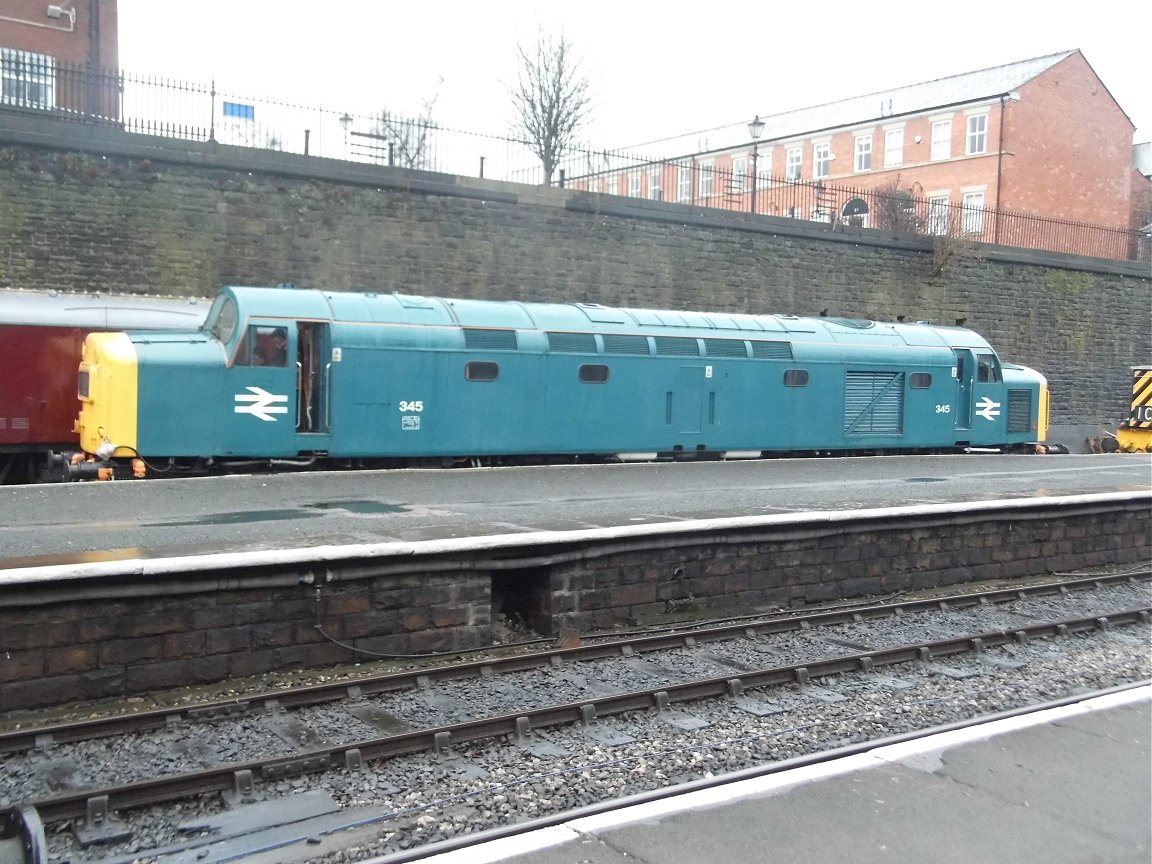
point(471, 787)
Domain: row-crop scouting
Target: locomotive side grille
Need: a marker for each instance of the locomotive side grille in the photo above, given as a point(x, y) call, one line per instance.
point(725, 348)
point(615, 344)
point(874, 403)
point(762, 350)
point(477, 338)
point(677, 346)
point(1019, 410)
point(572, 343)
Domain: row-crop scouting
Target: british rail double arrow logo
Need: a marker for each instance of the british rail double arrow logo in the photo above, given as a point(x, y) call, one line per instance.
point(262, 403)
point(986, 408)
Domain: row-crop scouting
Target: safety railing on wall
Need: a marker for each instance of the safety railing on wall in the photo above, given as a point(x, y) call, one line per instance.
point(200, 111)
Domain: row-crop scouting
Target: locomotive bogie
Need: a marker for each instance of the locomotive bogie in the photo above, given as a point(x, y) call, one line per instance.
point(291, 375)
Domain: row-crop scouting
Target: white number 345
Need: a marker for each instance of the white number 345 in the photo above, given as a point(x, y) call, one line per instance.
point(417, 406)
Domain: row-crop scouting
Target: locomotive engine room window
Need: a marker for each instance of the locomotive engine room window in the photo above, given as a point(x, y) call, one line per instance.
point(593, 373)
point(796, 378)
point(920, 381)
point(480, 370)
point(987, 369)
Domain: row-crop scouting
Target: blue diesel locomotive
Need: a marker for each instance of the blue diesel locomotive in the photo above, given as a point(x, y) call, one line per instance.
point(297, 377)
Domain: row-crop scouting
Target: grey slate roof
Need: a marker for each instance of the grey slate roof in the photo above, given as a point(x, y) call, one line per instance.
point(873, 107)
point(968, 87)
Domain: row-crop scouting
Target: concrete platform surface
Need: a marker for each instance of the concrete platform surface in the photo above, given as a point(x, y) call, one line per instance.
point(1070, 784)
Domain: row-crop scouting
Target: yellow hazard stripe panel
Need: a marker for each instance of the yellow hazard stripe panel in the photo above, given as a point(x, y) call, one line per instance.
point(108, 411)
point(1141, 416)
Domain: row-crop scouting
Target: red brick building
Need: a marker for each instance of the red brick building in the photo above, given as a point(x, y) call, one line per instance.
point(1041, 137)
point(59, 55)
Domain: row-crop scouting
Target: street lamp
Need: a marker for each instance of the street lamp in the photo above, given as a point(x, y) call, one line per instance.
point(345, 122)
point(754, 129)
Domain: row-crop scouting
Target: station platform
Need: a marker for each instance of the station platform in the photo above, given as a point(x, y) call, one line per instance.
point(1067, 784)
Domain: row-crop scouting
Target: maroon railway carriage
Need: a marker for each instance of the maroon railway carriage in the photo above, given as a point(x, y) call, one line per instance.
point(41, 335)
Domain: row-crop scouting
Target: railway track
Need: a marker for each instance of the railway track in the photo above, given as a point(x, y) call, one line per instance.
point(806, 658)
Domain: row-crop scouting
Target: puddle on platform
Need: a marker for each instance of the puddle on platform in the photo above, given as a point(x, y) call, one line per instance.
point(359, 507)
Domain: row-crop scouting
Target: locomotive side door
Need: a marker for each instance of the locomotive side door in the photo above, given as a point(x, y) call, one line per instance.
point(965, 374)
point(313, 382)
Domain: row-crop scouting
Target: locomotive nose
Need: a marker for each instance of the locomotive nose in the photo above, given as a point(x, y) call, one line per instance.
point(107, 389)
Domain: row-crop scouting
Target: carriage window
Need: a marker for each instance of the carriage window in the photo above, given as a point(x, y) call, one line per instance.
point(920, 381)
point(796, 378)
point(988, 372)
point(481, 370)
point(593, 373)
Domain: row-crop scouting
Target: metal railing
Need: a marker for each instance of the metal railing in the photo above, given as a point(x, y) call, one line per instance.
point(205, 112)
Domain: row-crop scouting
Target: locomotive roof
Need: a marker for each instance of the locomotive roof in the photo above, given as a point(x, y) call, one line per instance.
point(405, 309)
point(100, 312)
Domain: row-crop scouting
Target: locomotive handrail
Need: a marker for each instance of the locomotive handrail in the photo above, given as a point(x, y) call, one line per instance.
point(327, 397)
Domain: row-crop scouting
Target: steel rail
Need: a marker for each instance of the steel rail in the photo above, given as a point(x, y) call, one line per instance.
point(41, 736)
point(351, 756)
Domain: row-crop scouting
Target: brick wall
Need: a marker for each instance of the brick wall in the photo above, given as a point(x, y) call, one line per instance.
point(90, 209)
point(101, 638)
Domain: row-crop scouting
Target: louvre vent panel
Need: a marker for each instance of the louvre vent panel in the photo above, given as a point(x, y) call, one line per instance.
point(492, 340)
point(874, 403)
point(614, 344)
point(772, 350)
point(572, 343)
point(725, 348)
point(1019, 410)
point(676, 346)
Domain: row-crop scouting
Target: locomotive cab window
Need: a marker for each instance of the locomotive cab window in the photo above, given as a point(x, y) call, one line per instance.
point(480, 370)
point(987, 369)
point(593, 373)
point(222, 318)
point(920, 380)
point(796, 378)
point(263, 345)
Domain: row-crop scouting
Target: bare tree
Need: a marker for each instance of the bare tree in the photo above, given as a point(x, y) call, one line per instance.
point(406, 141)
point(551, 97)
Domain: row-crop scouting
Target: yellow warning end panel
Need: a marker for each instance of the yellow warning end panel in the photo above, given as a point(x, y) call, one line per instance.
point(108, 394)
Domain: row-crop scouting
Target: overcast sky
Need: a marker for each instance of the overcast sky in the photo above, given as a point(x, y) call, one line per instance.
point(657, 69)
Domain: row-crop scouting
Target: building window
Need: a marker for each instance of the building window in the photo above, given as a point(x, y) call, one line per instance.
point(973, 212)
point(706, 175)
point(941, 140)
point(29, 79)
point(739, 174)
point(609, 185)
point(794, 159)
point(938, 214)
point(654, 192)
point(634, 185)
point(863, 160)
point(684, 183)
point(821, 159)
point(977, 135)
point(893, 148)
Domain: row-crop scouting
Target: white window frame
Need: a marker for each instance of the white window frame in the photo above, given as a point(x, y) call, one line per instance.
point(706, 183)
point(973, 211)
point(941, 139)
point(654, 193)
point(739, 180)
point(862, 161)
point(821, 159)
point(634, 184)
point(27, 79)
point(793, 163)
point(894, 147)
point(976, 139)
point(610, 185)
point(684, 183)
point(938, 209)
